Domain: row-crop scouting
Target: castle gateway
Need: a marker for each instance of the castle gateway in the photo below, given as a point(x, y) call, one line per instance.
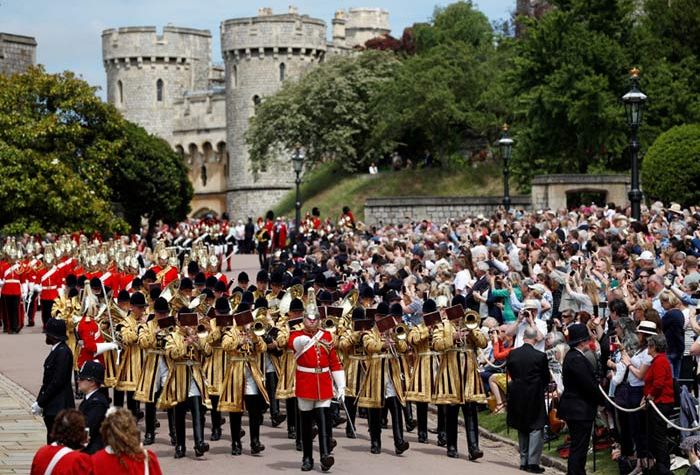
point(168, 84)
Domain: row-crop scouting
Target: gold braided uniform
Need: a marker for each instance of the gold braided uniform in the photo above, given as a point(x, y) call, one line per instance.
point(243, 354)
point(380, 365)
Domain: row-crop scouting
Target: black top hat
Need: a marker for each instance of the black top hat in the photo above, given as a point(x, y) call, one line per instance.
point(71, 280)
point(383, 308)
point(208, 293)
point(211, 281)
point(93, 371)
point(320, 279)
point(149, 274)
point(222, 306)
point(429, 306)
point(243, 278)
point(186, 284)
point(261, 302)
point(192, 267)
point(95, 283)
point(578, 332)
point(315, 211)
point(331, 283)
point(262, 276)
point(396, 310)
point(161, 305)
point(325, 297)
point(276, 278)
point(298, 272)
point(123, 296)
point(137, 283)
point(358, 313)
point(80, 281)
point(367, 292)
point(248, 298)
point(154, 292)
point(200, 279)
point(242, 307)
point(459, 300)
point(296, 305)
point(220, 286)
point(138, 300)
point(56, 328)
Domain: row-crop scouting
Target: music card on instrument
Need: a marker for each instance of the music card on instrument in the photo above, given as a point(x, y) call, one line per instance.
point(432, 318)
point(362, 325)
point(166, 322)
point(334, 311)
point(223, 321)
point(455, 313)
point(188, 319)
point(370, 313)
point(243, 318)
point(385, 324)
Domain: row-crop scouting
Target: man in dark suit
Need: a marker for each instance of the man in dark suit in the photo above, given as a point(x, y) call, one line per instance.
point(95, 405)
point(580, 399)
point(529, 375)
point(56, 393)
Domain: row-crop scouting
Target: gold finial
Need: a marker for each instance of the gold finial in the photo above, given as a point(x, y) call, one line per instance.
point(505, 127)
point(634, 73)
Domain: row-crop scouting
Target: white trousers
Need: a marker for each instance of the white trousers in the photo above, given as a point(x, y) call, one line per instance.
point(310, 404)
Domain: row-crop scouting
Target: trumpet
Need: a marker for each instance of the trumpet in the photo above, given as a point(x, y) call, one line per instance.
point(202, 331)
point(260, 327)
point(401, 332)
point(471, 320)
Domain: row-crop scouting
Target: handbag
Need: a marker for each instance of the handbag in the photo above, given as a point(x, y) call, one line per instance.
point(623, 391)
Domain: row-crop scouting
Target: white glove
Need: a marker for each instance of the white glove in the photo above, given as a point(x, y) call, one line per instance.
point(76, 319)
point(103, 347)
point(36, 410)
point(24, 289)
point(339, 380)
point(37, 288)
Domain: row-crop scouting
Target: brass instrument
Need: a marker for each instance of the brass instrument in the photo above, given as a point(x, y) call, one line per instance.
point(294, 292)
point(203, 331)
point(235, 300)
point(260, 326)
point(350, 302)
point(171, 290)
point(330, 324)
point(471, 320)
point(401, 332)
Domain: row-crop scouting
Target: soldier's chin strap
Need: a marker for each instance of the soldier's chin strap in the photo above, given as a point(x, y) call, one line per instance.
point(312, 342)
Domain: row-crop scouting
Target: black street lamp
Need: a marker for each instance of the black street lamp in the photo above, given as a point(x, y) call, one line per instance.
point(298, 165)
point(506, 145)
point(634, 105)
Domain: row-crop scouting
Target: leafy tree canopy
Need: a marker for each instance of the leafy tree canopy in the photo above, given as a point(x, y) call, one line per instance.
point(62, 151)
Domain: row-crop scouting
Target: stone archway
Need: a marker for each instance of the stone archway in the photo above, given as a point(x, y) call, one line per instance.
point(586, 196)
point(204, 213)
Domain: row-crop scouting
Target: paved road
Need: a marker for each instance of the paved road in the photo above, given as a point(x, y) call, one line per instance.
point(21, 358)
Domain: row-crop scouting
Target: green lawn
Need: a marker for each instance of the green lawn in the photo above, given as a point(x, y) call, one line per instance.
point(604, 464)
point(329, 188)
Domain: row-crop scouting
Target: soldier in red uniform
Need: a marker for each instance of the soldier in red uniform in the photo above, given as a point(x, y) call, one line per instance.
point(318, 368)
point(11, 299)
point(92, 344)
point(50, 279)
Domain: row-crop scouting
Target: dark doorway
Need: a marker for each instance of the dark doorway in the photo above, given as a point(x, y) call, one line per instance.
point(576, 198)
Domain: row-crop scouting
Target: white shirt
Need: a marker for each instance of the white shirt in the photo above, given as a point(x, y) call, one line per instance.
point(541, 327)
point(90, 394)
point(463, 279)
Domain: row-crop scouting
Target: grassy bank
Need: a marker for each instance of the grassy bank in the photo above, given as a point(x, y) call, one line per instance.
point(329, 188)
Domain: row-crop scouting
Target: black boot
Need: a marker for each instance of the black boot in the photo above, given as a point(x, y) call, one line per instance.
point(451, 430)
point(271, 385)
point(150, 433)
point(297, 415)
point(291, 407)
point(200, 447)
point(179, 412)
point(422, 420)
point(408, 415)
point(324, 438)
point(307, 438)
point(171, 426)
point(254, 405)
point(385, 417)
point(215, 419)
point(336, 418)
point(442, 437)
point(351, 406)
point(472, 423)
point(397, 424)
point(374, 417)
point(235, 418)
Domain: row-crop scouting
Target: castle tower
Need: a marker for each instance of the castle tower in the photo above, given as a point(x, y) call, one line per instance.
point(147, 72)
point(260, 53)
point(363, 24)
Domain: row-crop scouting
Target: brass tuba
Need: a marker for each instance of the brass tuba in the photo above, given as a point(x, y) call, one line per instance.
point(350, 302)
point(472, 320)
point(294, 292)
point(235, 300)
point(401, 332)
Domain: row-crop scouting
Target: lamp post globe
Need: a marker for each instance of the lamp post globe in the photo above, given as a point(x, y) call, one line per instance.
point(506, 146)
point(634, 106)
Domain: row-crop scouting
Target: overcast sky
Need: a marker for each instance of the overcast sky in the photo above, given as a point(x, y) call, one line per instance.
point(69, 31)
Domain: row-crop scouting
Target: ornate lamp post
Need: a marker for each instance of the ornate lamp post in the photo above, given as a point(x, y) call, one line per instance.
point(298, 165)
point(506, 146)
point(634, 105)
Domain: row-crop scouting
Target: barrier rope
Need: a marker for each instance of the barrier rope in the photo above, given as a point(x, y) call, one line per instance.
point(488, 363)
point(658, 411)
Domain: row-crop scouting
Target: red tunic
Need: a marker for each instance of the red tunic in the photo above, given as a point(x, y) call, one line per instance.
point(170, 275)
point(73, 463)
point(107, 463)
point(90, 334)
point(13, 280)
point(50, 280)
point(314, 379)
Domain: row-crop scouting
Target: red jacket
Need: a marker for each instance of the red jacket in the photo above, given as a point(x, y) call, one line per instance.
point(104, 462)
point(658, 380)
point(89, 333)
point(73, 463)
point(50, 280)
point(314, 366)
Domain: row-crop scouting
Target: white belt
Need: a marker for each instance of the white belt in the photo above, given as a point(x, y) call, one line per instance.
point(49, 287)
point(304, 369)
point(13, 281)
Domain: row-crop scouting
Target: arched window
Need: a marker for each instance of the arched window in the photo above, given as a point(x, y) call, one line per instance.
point(256, 101)
point(207, 152)
point(220, 152)
point(283, 69)
point(193, 154)
point(159, 90)
point(234, 78)
point(180, 151)
point(120, 93)
point(203, 174)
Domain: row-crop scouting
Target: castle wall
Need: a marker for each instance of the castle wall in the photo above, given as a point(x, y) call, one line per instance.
point(254, 50)
point(363, 24)
point(17, 53)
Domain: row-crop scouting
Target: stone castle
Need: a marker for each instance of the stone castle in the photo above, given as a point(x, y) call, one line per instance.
point(167, 83)
point(17, 53)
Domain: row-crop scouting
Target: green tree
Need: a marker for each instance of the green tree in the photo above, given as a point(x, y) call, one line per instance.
point(65, 158)
point(150, 179)
point(459, 21)
point(328, 112)
point(671, 170)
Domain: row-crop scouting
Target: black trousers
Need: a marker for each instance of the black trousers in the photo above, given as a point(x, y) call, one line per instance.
point(271, 387)
point(422, 417)
point(46, 306)
point(580, 432)
point(658, 442)
point(194, 405)
point(131, 404)
point(12, 323)
point(48, 421)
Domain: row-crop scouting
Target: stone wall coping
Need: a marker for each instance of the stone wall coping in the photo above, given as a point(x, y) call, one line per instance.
point(409, 201)
point(575, 179)
point(280, 18)
point(21, 39)
point(154, 30)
